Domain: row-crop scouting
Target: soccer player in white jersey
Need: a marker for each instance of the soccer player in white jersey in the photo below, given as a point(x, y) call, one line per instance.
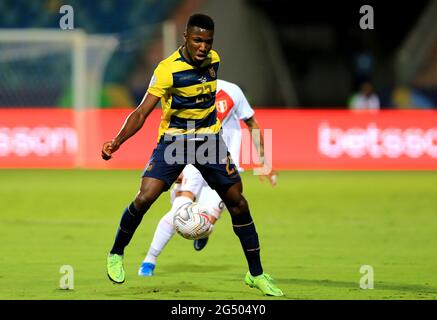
point(232, 106)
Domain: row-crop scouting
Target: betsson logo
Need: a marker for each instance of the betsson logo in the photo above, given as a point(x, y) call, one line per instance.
point(376, 143)
point(41, 141)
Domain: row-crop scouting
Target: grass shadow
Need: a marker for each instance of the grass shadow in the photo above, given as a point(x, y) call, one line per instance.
point(378, 285)
point(190, 267)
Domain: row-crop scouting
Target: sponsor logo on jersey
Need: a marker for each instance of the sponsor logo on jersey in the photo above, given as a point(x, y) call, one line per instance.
point(203, 79)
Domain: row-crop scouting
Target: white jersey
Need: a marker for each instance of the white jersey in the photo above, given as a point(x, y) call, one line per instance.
point(232, 106)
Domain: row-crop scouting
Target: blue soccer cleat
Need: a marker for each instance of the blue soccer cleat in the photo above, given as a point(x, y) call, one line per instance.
point(199, 244)
point(146, 269)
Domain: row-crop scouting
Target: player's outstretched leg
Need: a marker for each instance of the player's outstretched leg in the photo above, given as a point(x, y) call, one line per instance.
point(163, 233)
point(199, 244)
point(244, 228)
point(211, 201)
point(149, 191)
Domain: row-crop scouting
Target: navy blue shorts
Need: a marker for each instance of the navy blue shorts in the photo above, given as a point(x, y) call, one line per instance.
point(208, 153)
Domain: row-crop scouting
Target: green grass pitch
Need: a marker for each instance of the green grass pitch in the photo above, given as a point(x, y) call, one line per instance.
point(316, 230)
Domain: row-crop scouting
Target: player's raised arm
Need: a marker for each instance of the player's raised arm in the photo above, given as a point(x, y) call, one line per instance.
point(133, 123)
point(258, 141)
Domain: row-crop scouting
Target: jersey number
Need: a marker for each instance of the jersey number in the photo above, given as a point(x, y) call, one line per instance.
point(204, 93)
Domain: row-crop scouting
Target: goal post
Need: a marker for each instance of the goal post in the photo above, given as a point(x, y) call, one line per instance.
point(73, 57)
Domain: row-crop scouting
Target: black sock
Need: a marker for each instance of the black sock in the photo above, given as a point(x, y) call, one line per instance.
point(244, 228)
point(130, 220)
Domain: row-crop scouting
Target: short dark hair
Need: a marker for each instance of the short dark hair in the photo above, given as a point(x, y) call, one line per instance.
point(200, 20)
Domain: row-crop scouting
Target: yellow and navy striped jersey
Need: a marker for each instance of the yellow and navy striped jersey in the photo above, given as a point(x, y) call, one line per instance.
point(187, 95)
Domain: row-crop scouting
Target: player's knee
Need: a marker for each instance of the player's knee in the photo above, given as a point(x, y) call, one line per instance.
point(143, 201)
point(240, 207)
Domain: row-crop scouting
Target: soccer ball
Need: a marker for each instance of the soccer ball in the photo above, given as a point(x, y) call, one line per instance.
point(192, 222)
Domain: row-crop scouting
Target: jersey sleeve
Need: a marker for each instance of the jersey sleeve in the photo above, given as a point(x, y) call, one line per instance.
point(244, 110)
point(214, 57)
point(161, 81)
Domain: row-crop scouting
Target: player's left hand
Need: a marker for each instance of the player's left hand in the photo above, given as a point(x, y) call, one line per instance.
point(108, 149)
point(272, 177)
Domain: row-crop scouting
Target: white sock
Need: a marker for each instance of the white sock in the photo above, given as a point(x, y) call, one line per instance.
point(164, 231)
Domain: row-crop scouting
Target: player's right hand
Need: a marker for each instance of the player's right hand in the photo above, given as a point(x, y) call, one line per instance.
point(109, 147)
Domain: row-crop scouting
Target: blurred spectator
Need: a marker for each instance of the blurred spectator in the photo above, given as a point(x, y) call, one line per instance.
point(408, 98)
point(365, 99)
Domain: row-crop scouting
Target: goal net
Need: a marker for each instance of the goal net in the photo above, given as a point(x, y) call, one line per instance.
point(52, 68)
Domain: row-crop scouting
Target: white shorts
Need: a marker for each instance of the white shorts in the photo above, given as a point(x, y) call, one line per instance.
point(193, 182)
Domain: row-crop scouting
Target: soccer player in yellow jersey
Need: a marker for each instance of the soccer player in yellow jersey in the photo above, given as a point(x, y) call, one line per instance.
point(189, 133)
